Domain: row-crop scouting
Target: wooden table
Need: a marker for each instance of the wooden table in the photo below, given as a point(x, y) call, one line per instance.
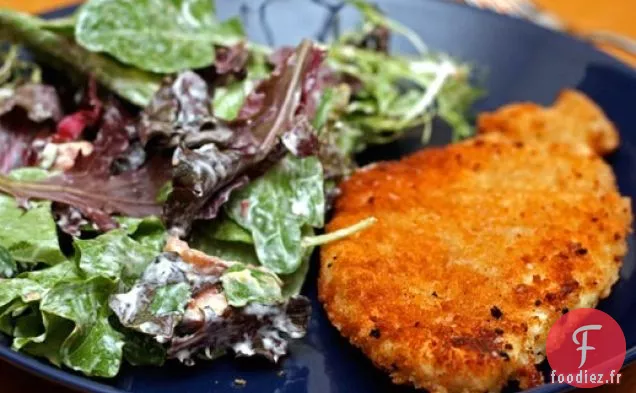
point(583, 15)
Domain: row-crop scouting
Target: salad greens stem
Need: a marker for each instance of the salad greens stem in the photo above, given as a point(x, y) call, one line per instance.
point(446, 69)
point(324, 108)
point(7, 66)
point(312, 241)
point(287, 115)
point(14, 187)
point(376, 18)
point(133, 84)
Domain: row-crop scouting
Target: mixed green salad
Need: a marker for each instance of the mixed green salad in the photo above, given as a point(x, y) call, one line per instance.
point(163, 179)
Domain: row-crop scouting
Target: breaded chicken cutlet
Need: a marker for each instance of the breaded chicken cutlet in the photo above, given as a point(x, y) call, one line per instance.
point(479, 248)
point(573, 119)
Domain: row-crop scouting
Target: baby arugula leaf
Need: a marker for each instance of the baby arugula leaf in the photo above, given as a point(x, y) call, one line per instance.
point(375, 18)
point(275, 208)
point(155, 35)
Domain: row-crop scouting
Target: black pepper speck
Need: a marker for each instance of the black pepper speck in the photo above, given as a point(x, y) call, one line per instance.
point(581, 251)
point(496, 312)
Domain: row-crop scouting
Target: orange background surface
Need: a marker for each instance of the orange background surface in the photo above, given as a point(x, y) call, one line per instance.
point(582, 15)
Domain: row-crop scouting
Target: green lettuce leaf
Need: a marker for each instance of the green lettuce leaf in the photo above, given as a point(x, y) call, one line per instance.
point(122, 254)
point(48, 277)
point(229, 100)
point(148, 231)
point(226, 250)
point(223, 228)
point(293, 283)
point(114, 255)
point(8, 266)
point(133, 84)
point(19, 293)
point(28, 323)
point(19, 288)
point(245, 284)
point(275, 208)
point(47, 344)
point(29, 235)
point(225, 239)
point(181, 36)
point(93, 347)
point(56, 314)
point(8, 313)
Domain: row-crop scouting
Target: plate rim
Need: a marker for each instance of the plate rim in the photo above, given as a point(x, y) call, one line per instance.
point(67, 378)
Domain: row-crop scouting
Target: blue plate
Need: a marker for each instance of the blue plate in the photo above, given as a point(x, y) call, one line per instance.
point(521, 62)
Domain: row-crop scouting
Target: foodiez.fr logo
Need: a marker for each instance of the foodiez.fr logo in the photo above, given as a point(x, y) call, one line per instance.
point(586, 349)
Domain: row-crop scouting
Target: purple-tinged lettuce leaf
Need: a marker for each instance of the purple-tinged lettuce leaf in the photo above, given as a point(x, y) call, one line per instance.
point(27, 113)
point(90, 187)
point(40, 102)
point(180, 115)
point(301, 139)
point(112, 140)
point(132, 193)
point(69, 219)
point(17, 134)
point(71, 127)
point(231, 60)
point(201, 174)
point(180, 107)
point(255, 329)
point(211, 210)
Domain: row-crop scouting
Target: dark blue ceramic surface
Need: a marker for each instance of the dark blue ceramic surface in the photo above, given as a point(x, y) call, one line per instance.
point(520, 62)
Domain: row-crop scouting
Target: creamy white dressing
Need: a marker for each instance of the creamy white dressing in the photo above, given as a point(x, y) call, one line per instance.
point(245, 347)
point(301, 208)
point(127, 305)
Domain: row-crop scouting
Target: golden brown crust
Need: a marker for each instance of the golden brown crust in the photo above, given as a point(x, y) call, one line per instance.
point(574, 119)
point(479, 247)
